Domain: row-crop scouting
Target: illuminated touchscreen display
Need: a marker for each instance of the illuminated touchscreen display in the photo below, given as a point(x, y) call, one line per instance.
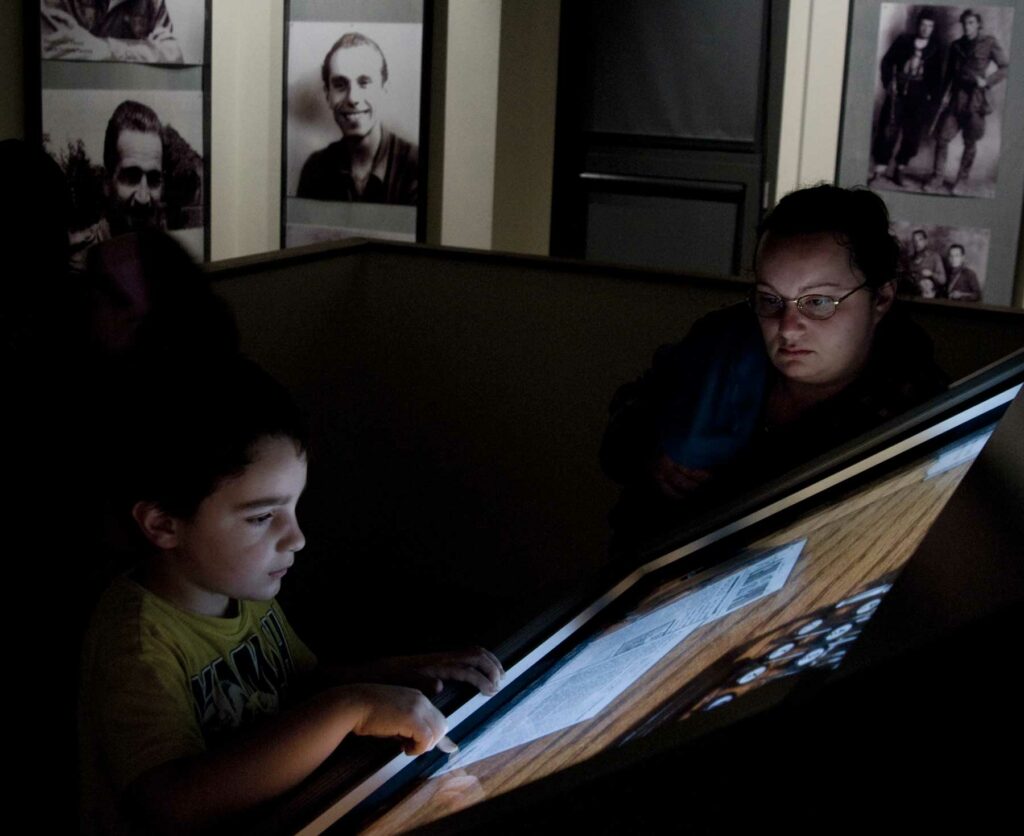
point(791, 601)
point(598, 671)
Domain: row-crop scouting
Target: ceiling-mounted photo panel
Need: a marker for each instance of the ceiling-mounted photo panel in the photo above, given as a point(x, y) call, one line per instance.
point(353, 161)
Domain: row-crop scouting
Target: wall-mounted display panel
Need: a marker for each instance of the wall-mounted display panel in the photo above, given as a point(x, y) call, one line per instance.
point(932, 103)
point(354, 138)
point(124, 111)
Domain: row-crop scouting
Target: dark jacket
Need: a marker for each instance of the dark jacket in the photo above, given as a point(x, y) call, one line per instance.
point(703, 403)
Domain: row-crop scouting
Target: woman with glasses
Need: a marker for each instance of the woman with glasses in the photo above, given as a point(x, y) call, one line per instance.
point(818, 355)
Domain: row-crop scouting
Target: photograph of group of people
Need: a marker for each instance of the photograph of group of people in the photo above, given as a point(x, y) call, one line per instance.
point(116, 116)
point(939, 98)
point(943, 262)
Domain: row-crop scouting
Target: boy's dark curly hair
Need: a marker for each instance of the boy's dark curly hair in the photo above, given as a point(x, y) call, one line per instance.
point(193, 423)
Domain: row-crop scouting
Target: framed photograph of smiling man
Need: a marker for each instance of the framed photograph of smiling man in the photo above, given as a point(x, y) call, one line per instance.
point(354, 130)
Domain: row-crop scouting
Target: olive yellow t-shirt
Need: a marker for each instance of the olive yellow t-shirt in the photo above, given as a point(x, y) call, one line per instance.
point(159, 683)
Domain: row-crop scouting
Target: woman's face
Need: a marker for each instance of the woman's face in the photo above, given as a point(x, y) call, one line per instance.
point(827, 353)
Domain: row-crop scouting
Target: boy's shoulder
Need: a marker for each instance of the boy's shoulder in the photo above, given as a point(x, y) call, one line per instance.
point(127, 600)
point(129, 621)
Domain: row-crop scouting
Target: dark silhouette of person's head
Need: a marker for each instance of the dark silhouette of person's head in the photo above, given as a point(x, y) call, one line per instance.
point(36, 209)
point(34, 229)
point(147, 297)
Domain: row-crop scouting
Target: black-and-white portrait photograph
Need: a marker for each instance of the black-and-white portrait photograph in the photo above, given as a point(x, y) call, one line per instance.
point(354, 112)
point(939, 98)
point(943, 262)
point(134, 31)
point(133, 160)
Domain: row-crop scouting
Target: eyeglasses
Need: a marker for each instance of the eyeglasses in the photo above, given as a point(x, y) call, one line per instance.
point(813, 305)
point(133, 175)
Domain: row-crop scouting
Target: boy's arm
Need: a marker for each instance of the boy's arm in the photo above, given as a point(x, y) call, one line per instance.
point(428, 672)
point(279, 752)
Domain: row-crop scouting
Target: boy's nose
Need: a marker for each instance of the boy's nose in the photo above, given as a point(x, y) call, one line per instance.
point(294, 540)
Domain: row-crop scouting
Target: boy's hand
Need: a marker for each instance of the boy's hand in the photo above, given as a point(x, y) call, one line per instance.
point(391, 711)
point(193, 794)
point(429, 671)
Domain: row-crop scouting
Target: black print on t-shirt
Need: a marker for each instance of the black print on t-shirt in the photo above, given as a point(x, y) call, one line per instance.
point(231, 692)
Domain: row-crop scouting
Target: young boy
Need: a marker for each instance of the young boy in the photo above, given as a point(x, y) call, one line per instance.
point(189, 661)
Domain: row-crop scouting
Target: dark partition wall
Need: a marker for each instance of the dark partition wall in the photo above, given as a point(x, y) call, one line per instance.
point(968, 337)
point(457, 402)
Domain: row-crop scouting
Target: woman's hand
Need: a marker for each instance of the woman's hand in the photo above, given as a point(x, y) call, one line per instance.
point(676, 481)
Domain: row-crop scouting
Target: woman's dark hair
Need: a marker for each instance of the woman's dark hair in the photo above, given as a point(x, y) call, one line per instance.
point(193, 423)
point(856, 218)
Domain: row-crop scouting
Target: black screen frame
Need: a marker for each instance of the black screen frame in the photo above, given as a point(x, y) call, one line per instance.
point(698, 547)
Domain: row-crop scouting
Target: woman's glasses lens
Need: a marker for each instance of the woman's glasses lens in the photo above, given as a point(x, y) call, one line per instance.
point(817, 307)
point(766, 304)
point(814, 306)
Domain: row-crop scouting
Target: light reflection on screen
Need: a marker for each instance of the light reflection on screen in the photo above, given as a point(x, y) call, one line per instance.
point(602, 668)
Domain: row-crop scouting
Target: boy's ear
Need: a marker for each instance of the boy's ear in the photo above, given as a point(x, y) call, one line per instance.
point(160, 528)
